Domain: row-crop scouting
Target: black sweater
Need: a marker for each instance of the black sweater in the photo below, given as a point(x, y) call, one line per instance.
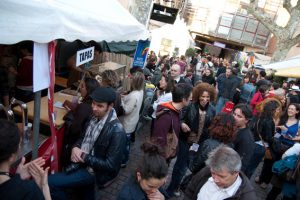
point(244, 145)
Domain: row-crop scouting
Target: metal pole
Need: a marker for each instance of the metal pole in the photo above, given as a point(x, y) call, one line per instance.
point(36, 123)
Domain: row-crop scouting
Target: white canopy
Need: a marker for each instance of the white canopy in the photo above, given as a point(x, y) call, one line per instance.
point(261, 59)
point(178, 33)
point(45, 20)
point(289, 63)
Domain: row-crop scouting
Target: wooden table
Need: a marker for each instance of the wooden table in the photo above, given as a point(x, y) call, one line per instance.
point(44, 119)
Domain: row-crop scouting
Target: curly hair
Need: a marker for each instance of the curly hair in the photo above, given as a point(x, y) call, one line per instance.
point(204, 87)
point(110, 78)
point(267, 108)
point(222, 128)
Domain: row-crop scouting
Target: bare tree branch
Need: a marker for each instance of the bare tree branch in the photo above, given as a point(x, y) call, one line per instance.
point(296, 40)
point(254, 2)
point(297, 5)
point(287, 5)
point(293, 21)
point(264, 19)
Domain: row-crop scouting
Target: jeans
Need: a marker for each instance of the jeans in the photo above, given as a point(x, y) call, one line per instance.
point(127, 149)
point(220, 104)
point(266, 172)
point(80, 179)
point(180, 167)
point(258, 155)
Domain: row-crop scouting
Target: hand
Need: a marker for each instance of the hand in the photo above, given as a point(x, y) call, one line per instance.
point(23, 169)
point(155, 196)
point(76, 155)
point(185, 128)
point(67, 104)
point(283, 128)
point(39, 175)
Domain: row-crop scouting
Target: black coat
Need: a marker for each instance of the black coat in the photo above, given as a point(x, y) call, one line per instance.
point(209, 79)
point(245, 191)
point(201, 156)
point(191, 118)
point(108, 151)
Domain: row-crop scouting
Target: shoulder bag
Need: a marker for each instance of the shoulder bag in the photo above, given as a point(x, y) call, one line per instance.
point(268, 154)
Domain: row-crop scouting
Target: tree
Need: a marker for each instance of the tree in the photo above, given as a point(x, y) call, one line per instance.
point(285, 36)
point(190, 52)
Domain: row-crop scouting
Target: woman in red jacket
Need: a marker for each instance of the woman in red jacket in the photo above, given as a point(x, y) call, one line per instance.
point(258, 97)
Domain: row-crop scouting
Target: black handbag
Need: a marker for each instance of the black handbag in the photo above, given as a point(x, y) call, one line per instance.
point(278, 147)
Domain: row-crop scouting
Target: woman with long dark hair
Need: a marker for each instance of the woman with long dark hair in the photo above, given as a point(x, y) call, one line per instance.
point(265, 129)
point(208, 77)
point(78, 116)
point(150, 175)
point(164, 94)
point(289, 124)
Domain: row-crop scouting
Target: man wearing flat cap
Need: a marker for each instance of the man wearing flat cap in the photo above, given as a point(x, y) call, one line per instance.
point(97, 156)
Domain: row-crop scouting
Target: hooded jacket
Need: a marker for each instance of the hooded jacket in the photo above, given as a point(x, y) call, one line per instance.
point(167, 117)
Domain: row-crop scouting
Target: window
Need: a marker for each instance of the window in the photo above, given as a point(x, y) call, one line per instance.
point(251, 25)
point(236, 34)
point(239, 22)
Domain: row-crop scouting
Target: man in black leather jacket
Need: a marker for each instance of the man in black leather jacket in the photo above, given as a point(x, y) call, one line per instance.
point(98, 154)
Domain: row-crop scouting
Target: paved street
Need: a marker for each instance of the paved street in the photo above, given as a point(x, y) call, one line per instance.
point(110, 193)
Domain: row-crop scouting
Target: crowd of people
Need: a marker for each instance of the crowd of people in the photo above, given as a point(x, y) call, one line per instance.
point(218, 119)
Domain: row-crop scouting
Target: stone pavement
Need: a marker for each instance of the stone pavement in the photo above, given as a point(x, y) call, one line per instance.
point(110, 193)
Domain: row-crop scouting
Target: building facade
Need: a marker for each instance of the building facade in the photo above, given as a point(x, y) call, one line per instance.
point(223, 26)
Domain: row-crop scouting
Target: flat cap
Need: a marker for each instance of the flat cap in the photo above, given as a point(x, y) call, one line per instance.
point(103, 95)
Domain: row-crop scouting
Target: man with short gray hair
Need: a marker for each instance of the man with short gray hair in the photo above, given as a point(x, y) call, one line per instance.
point(221, 179)
point(175, 74)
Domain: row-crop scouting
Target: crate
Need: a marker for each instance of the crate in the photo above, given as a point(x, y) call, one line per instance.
point(99, 68)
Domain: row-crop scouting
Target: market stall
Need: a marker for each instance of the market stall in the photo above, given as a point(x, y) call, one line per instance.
point(287, 68)
point(45, 21)
point(288, 63)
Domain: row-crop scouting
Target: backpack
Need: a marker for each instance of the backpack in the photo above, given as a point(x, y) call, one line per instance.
point(172, 141)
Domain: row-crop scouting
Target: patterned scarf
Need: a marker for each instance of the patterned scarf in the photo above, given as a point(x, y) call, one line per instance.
point(93, 131)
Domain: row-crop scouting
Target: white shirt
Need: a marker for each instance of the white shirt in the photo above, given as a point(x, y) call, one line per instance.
point(213, 192)
point(165, 97)
point(131, 104)
point(294, 150)
point(177, 79)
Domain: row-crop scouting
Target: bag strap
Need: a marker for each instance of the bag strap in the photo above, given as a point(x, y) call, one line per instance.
point(260, 135)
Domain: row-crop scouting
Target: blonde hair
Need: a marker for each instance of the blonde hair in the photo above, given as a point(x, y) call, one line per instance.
point(137, 81)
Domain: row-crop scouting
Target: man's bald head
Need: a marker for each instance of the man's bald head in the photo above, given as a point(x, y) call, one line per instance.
point(175, 71)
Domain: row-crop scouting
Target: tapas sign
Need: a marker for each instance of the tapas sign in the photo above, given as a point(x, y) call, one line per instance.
point(84, 56)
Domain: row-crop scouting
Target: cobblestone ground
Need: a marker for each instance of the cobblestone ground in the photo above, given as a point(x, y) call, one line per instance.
point(110, 192)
